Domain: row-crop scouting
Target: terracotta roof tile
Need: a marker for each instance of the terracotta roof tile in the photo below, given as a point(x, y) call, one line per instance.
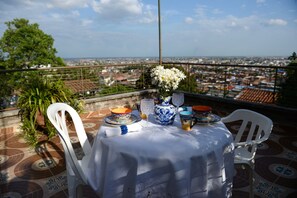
point(257, 95)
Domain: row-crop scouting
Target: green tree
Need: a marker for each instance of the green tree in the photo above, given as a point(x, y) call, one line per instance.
point(1, 60)
point(24, 45)
point(115, 89)
point(144, 81)
point(288, 91)
point(293, 57)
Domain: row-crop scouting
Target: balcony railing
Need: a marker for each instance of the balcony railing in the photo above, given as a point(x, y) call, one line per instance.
point(227, 81)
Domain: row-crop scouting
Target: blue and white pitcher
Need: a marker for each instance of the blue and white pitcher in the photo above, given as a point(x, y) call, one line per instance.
point(165, 112)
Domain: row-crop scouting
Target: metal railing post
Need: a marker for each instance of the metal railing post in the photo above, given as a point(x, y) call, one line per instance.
point(274, 86)
point(225, 83)
point(143, 76)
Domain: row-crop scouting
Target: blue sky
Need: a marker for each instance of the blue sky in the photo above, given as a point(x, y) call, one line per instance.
point(129, 28)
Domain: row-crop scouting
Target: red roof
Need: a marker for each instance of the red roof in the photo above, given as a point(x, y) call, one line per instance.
point(257, 95)
point(78, 86)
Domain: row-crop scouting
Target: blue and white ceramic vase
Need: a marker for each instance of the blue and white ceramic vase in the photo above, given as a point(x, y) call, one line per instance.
point(165, 112)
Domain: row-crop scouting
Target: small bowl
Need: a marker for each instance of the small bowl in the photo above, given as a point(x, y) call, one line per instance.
point(121, 114)
point(201, 111)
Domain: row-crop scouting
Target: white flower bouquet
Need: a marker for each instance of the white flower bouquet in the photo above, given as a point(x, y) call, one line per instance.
point(166, 79)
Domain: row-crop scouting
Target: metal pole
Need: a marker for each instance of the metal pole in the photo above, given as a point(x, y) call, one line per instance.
point(160, 39)
point(275, 84)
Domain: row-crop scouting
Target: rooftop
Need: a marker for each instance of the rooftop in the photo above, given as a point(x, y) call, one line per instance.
point(41, 172)
point(257, 95)
point(79, 86)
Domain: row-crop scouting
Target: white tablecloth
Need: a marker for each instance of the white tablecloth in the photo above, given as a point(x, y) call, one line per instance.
point(163, 161)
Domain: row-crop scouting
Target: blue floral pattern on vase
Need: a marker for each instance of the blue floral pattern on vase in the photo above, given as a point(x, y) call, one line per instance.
point(165, 101)
point(165, 112)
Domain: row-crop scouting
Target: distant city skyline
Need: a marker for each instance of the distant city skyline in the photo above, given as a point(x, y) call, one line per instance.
point(129, 28)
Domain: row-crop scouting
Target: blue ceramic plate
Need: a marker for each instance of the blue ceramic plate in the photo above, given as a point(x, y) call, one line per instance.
point(112, 121)
point(211, 118)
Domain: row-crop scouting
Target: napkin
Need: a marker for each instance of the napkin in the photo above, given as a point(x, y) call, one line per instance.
point(122, 130)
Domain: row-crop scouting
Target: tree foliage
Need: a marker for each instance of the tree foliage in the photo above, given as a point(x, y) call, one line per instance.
point(24, 45)
point(115, 89)
point(293, 57)
point(144, 81)
point(288, 91)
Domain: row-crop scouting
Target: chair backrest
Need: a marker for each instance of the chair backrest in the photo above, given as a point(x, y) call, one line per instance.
point(259, 127)
point(57, 114)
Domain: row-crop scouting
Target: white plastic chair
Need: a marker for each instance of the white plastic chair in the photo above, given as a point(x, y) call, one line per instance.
point(255, 128)
point(76, 168)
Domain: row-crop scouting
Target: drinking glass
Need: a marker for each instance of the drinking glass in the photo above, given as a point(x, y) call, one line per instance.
point(147, 107)
point(178, 99)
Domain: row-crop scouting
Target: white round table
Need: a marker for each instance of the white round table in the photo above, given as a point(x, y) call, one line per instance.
point(163, 161)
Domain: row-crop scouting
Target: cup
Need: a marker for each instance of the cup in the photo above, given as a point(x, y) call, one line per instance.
point(187, 120)
point(146, 108)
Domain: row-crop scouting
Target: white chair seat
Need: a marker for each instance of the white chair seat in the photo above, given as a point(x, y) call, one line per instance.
point(243, 154)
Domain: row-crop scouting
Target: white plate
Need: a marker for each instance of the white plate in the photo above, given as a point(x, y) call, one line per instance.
point(110, 120)
point(212, 118)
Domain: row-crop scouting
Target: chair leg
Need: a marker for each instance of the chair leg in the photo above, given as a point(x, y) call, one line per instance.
point(79, 191)
point(71, 186)
point(75, 187)
point(251, 178)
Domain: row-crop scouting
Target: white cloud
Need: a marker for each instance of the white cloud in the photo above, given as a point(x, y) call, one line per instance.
point(200, 10)
point(228, 23)
point(10, 6)
point(86, 22)
point(280, 22)
point(56, 16)
point(15, 3)
point(232, 24)
point(260, 1)
point(121, 10)
point(189, 20)
point(217, 11)
point(65, 4)
point(75, 13)
point(65, 16)
point(116, 9)
point(148, 15)
point(148, 18)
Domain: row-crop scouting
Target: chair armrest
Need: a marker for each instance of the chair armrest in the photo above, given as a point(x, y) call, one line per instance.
point(243, 144)
point(249, 143)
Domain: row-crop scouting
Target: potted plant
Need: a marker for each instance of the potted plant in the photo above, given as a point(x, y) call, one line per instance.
point(37, 93)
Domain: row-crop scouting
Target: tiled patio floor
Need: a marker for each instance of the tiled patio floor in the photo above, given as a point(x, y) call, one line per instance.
point(26, 172)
